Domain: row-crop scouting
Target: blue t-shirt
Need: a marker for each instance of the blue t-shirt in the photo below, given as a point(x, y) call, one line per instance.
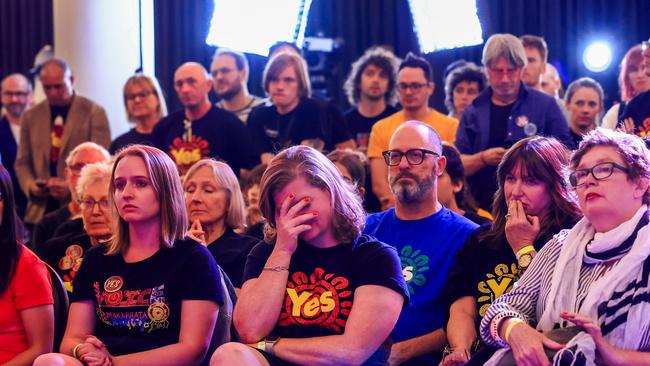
point(427, 249)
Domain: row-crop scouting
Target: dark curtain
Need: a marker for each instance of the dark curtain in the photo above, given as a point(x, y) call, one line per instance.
point(567, 25)
point(25, 27)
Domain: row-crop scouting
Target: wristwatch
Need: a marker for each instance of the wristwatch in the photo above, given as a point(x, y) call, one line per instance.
point(266, 345)
point(525, 256)
point(269, 343)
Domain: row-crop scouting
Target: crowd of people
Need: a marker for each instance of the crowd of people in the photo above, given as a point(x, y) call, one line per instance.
point(282, 231)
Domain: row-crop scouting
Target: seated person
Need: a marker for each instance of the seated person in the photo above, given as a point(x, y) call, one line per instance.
point(216, 208)
point(313, 295)
point(352, 166)
point(532, 203)
point(251, 190)
point(149, 296)
point(452, 188)
point(84, 153)
point(593, 275)
point(26, 312)
point(145, 106)
point(292, 117)
point(65, 253)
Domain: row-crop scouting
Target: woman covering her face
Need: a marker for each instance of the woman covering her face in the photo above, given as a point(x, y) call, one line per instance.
point(312, 296)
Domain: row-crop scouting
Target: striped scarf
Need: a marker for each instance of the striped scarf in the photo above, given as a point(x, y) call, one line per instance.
point(620, 297)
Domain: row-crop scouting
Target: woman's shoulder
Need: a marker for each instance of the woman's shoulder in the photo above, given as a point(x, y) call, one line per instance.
point(28, 260)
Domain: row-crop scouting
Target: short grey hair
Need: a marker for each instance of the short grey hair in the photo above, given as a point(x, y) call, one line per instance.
point(88, 145)
point(506, 46)
point(631, 148)
point(91, 174)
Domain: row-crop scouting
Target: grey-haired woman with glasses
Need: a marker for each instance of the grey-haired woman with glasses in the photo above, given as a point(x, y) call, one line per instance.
point(590, 282)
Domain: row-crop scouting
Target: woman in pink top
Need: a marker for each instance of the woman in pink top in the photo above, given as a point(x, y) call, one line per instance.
point(26, 311)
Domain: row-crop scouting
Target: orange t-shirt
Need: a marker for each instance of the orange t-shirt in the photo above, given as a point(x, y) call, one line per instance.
point(31, 286)
point(383, 130)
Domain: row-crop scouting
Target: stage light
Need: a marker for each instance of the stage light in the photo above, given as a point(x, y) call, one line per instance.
point(443, 24)
point(597, 57)
point(252, 26)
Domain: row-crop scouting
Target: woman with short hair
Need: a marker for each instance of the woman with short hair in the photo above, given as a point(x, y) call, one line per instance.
point(593, 275)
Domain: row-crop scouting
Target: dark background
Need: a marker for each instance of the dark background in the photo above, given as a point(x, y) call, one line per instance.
point(182, 26)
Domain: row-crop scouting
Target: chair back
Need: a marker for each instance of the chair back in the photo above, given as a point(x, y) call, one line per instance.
point(61, 304)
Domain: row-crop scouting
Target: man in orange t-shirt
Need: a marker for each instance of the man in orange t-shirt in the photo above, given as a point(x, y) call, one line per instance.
point(415, 86)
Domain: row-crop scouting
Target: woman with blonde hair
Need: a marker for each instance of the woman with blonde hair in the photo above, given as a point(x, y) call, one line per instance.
point(145, 106)
point(216, 209)
point(312, 296)
point(149, 296)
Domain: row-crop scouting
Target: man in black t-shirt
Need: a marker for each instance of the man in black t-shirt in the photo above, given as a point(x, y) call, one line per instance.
point(202, 130)
point(370, 88)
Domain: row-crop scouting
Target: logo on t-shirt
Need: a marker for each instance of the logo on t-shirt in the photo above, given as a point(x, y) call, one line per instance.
point(318, 299)
point(496, 284)
point(644, 128)
point(187, 152)
point(70, 263)
point(414, 264)
point(137, 309)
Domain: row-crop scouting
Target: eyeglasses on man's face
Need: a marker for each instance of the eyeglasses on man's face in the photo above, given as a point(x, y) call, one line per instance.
point(413, 156)
point(416, 87)
point(599, 172)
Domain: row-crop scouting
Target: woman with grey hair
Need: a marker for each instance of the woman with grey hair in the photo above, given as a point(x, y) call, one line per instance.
point(215, 208)
point(594, 275)
point(65, 253)
point(584, 102)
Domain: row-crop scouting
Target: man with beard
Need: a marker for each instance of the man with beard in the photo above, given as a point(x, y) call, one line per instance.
point(16, 94)
point(427, 237)
point(229, 71)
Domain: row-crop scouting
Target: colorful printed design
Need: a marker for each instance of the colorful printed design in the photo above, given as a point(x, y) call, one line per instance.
point(497, 284)
point(318, 299)
point(70, 263)
point(414, 265)
point(142, 310)
point(55, 139)
point(643, 130)
point(187, 152)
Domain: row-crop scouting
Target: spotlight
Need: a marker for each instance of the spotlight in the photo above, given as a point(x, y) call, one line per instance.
point(597, 57)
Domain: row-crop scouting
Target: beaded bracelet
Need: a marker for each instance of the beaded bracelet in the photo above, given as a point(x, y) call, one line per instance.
point(494, 327)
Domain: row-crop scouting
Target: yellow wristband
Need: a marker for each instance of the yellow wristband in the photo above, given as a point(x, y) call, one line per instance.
point(524, 250)
point(513, 322)
point(74, 350)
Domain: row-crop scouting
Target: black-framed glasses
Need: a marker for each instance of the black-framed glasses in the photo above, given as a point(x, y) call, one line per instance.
point(599, 172)
point(413, 156)
point(413, 86)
